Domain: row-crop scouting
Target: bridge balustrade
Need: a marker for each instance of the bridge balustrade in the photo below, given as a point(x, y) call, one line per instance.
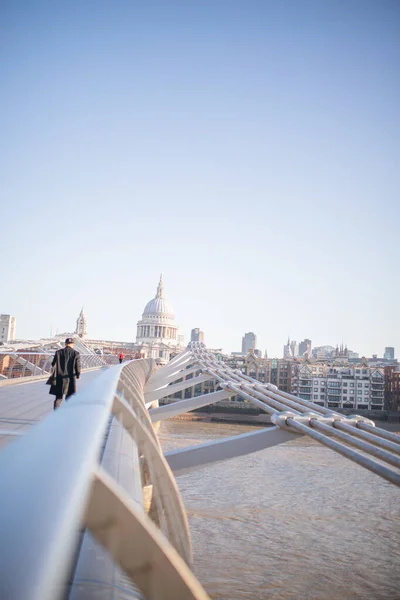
point(17, 364)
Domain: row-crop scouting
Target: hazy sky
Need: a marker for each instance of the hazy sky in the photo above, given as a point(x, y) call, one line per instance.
point(249, 150)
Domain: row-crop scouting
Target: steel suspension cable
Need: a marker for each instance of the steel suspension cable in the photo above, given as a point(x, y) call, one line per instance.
point(373, 434)
point(323, 427)
point(388, 435)
point(356, 432)
point(356, 457)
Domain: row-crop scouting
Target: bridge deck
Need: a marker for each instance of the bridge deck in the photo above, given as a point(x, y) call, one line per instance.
point(24, 404)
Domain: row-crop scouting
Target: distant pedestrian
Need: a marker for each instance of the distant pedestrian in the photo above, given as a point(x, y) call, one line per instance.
point(66, 368)
point(120, 357)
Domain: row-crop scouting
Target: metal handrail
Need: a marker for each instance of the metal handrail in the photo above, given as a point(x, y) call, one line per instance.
point(16, 364)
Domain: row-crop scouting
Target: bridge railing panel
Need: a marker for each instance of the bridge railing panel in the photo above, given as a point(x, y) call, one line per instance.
point(15, 365)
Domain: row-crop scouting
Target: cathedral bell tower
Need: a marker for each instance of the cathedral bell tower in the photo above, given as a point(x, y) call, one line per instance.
point(81, 325)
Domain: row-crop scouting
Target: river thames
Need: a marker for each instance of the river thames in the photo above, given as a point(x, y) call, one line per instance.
point(296, 521)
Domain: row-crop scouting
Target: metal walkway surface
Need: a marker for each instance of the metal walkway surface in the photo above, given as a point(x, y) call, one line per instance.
point(25, 404)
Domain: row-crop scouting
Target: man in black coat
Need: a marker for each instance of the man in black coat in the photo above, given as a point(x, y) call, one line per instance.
point(66, 367)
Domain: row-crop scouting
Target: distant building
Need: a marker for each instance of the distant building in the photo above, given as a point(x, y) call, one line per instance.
point(291, 349)
point(266, 370)
point(389, 353)
point(341, 353)
point(7, 328)
point(197, 335)
point(181, 340)
point(333, 386)
point(376, 361)
point(392, 387)
point(81, 326)
point(280, 372)
point(330, 353)
point(249, 342)
point(323, 352)
point(305, 347)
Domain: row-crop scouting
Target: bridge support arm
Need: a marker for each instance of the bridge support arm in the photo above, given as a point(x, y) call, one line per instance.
point(156, 384)
point(176, 364)
point(137, 545)
point(177, 387)
point(182, 406)
point(193, 457)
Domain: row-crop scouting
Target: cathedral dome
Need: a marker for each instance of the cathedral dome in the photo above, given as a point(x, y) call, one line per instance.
point(157, 325)
point(158, 306)
point(157, 332)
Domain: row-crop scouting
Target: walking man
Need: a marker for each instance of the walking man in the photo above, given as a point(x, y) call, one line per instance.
point(66, 369)
point(120, 357)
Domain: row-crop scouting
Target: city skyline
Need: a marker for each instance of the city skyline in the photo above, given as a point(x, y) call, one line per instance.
point(247, 151)
point(82, 322)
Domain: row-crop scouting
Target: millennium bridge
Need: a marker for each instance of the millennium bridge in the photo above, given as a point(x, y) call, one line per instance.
point(90, 507)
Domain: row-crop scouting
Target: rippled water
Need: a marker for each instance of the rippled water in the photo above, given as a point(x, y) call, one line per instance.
point(296, 521)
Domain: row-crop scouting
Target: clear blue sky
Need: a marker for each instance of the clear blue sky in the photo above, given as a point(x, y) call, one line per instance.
point(249, 150)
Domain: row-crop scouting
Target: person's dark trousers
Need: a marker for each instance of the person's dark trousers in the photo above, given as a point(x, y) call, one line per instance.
point(120, 360)
point(58, 401)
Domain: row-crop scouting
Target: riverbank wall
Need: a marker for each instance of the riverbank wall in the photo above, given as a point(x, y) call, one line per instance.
point(228, 412)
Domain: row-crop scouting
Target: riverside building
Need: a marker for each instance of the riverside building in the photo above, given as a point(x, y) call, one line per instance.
point(334, 386)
